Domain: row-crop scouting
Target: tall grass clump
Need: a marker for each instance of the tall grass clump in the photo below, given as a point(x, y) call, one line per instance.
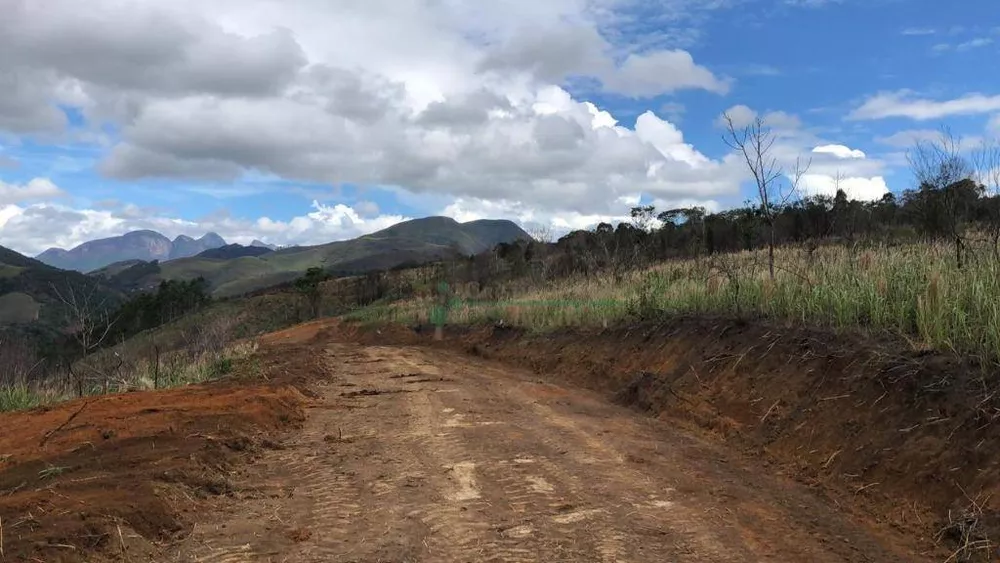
point(18, 396)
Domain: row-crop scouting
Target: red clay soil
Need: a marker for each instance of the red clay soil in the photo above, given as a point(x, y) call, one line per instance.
point(117, 477)
point(906, 440)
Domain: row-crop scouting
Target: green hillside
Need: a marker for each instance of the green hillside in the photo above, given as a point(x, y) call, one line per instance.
point(34, 289)
point(116, 268)
point(412, 242)
point(17, 307)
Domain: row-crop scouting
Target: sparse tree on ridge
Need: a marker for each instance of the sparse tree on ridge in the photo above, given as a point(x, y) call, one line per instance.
point(309, 287)
point(947, 190)
point(775, 186)
point(91, 322)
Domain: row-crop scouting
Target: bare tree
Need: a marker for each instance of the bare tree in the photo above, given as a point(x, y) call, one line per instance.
point(541, 232)
point(939, 163)
point(947, 187)
point(775, 186)
point(89, 319)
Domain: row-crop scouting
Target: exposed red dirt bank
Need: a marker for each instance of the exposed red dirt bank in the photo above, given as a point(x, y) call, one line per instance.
point(409, 452)
point(418, 454)
point(117, 476)
point(906, 439)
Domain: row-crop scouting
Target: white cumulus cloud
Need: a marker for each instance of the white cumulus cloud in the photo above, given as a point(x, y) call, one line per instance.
point(839, 151)
point(862, 189)
point(460, 99)
point(31, 229)
point(35, 189)
point(905, 104)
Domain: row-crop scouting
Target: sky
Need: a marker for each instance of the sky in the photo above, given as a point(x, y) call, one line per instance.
point(308, 121)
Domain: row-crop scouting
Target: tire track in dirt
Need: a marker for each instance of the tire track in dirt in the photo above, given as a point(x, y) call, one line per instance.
point(233, 554)
point(636, 490)
point(536, 513)
point(607, 519)
point(418, 455)
point(466, 527)
point(508, 495)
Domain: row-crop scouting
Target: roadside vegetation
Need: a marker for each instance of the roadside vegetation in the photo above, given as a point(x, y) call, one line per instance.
point(924, 266)
point(154, 340)
point(914, 289)
point(209, 353)
point(176, 335)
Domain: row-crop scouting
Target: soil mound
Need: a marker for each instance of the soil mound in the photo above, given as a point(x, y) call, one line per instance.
point(113, 477)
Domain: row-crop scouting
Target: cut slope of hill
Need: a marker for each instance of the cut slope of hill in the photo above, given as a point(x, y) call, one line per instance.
point(136, 245)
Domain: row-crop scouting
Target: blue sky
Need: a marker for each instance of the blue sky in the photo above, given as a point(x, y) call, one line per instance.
point(186, 118)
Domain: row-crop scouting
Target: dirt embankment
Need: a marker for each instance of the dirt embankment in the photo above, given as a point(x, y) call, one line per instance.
point(906, 438)
point(119, 477)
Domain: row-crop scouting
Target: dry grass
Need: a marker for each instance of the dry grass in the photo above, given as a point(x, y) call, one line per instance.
point(208, 353)
point(916, 290)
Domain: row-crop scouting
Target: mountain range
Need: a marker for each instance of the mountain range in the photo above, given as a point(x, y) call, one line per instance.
point(141, 260)
point(234, 269)
point(136, 245)
point(34, 296)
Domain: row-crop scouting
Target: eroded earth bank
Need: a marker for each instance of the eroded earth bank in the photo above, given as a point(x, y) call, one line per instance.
point(659, 443)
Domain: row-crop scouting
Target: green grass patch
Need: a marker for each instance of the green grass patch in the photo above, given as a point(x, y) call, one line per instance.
point(220, 367)
point(18, 397)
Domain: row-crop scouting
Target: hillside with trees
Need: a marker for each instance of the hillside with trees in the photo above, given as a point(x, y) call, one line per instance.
point(231, 272)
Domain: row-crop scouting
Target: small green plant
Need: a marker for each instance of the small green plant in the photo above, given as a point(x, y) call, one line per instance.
point(220, 367)
point(642, 304)
point(252, 368)
point(445, 301)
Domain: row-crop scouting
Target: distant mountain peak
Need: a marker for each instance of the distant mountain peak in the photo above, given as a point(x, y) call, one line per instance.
point(145, 245)
point(212, 239)
point(261, 244)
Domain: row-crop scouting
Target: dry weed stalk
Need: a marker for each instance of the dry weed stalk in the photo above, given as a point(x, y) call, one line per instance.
point(968, 530)
point(121, 541)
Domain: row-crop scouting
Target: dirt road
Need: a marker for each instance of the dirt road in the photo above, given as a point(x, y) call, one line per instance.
point(412, 454)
